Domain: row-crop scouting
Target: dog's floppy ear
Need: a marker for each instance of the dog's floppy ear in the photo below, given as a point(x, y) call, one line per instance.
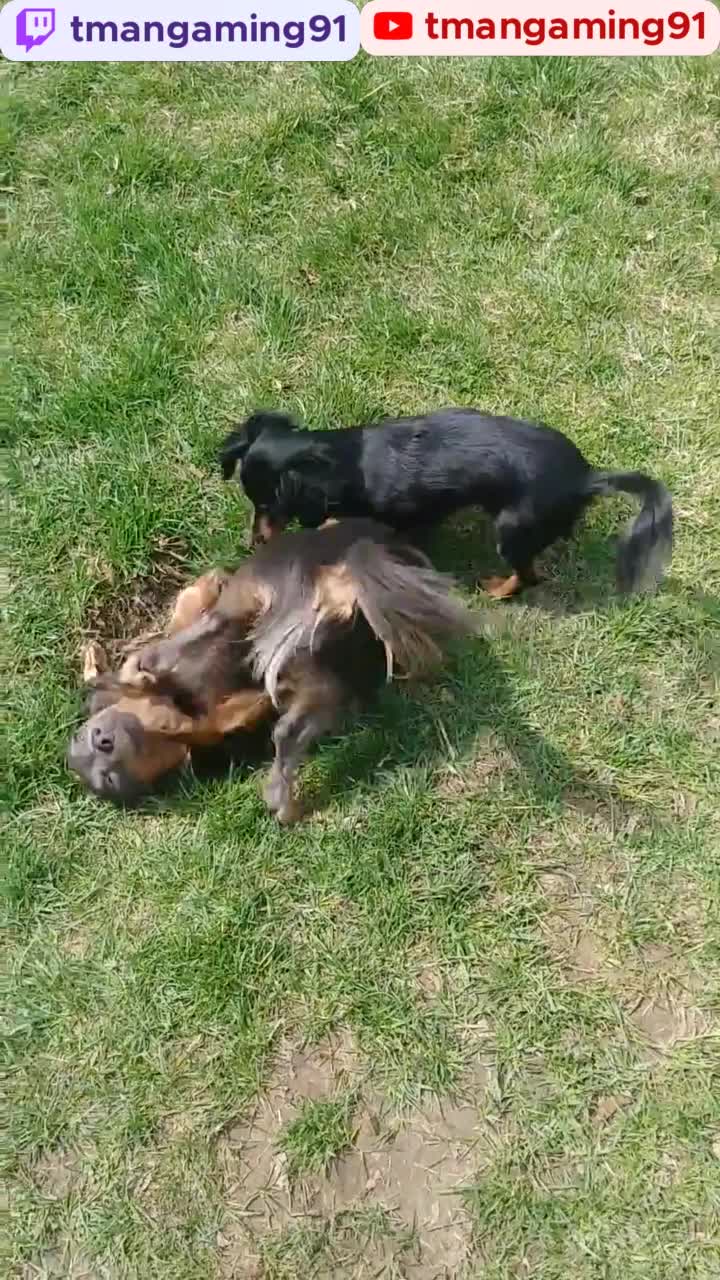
point(100, 692)
point(304, 486)
point(95, 661)
point(303, 497)
point(269, 420)
point(236, 444)
point(101, 689)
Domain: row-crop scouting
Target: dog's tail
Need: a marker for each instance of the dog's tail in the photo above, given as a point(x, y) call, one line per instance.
point(409, 605)
point(646, 545)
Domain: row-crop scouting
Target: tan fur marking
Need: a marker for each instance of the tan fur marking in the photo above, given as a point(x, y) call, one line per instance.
point(263, 528)
point(242, 710)
point(195, 599)
point(160, 717)
point(157, 715)
point(335, 592)
point(502, 588)
point(95, 661)
point(159, 756)
point(244, 598)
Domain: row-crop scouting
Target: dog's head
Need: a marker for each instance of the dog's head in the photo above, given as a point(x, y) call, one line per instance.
point(129, 741)
point(170, 696)
point(283, 471)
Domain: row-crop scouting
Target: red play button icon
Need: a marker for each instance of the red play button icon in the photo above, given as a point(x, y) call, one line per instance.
point(393, 26)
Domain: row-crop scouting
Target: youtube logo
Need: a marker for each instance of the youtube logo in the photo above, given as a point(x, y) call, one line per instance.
point(392, 26)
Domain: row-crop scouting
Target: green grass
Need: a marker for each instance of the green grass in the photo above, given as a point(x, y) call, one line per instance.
point(513, 857)
point(317, 1136)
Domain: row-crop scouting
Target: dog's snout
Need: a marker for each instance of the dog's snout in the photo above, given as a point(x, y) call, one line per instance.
point(103, 740)
point(264, 528)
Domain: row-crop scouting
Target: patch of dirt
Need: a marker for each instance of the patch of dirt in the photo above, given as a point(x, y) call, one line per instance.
point(62, 1263)
point(77, 943)
point(667, 1020)
point(568, 928)
point(606, 1106)
point(411, 1167)
point(57, 1173)
point(656, 983)
point(141, 605)
point(608, 813)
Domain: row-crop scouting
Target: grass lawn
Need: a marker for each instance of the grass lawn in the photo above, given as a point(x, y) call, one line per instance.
point(467, 1015)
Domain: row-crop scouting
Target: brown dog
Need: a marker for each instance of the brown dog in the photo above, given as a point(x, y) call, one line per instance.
point(136, 733)
point(309, 626)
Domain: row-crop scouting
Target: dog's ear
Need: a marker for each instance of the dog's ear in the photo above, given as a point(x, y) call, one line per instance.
point(95, 661)
point(304, 490)
point(268, 420)
point(100, 692)
point(236, 444)
point(232, 451)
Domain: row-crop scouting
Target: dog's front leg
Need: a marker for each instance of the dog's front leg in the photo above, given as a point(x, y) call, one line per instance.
point(311, 712)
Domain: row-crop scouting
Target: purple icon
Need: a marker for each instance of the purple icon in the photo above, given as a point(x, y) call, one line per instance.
point(33, 26)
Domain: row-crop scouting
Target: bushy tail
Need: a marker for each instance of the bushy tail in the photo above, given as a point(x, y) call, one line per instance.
point(646, 545)
point(409, 606)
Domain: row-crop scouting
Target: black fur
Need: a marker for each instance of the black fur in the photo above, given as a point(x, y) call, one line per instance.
point(411, 472)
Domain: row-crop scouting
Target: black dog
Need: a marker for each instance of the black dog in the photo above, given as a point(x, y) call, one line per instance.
point(411, 472)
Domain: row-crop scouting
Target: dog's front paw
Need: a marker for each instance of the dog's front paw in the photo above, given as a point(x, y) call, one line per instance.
point(133, 673)
point(275, 792)
point(94, 660)
point(279, 798)
point(289, 813)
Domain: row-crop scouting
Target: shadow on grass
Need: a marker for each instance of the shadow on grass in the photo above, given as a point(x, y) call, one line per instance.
point(576, 576)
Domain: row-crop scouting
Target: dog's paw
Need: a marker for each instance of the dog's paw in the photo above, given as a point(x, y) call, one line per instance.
point(280, 800)
point(501, 588)
point(275, 792)
point(131, 673)
point(94, 660)
point(289, 813)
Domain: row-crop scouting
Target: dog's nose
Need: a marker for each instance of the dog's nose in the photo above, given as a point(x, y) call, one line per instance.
point(103, 740)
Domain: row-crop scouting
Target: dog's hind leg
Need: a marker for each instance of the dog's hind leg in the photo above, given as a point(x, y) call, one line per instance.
point(524, 532)
point(311, 707)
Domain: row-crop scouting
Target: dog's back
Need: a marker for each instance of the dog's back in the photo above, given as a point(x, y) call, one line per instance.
point(431, 466)
point(400, 471)
point(329, 587)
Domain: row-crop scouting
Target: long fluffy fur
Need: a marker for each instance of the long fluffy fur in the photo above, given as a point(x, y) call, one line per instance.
point(645, 548)
point(409, 607)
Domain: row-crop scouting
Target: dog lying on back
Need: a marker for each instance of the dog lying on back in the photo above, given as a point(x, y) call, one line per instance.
point(309, 627)
point(412, 472)
point(138, 730)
